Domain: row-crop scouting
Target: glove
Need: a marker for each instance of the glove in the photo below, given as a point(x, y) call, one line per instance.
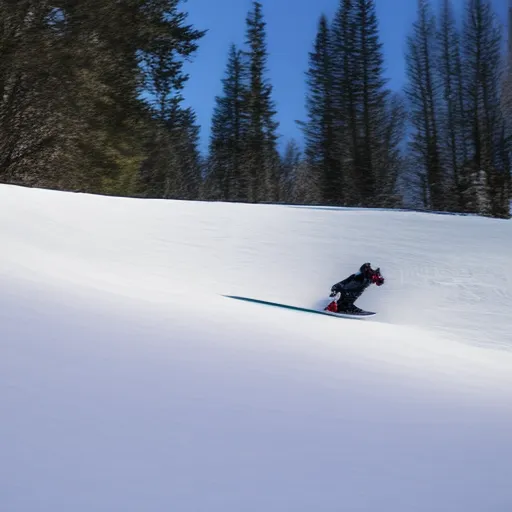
point(377, 278)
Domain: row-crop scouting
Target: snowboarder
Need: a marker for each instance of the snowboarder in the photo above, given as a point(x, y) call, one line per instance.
point(351, 288)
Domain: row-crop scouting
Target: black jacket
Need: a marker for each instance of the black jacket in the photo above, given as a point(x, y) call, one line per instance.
point(352, 287)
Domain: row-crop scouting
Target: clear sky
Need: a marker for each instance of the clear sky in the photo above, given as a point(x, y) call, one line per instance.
point(291, 29)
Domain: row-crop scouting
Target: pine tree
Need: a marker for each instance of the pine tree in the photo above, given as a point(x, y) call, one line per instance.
point(506, 107)
point(346, 97)
point(34, 82)
point(319, 129)
point(364, 113)
point(487, 167)
point(453, 121)
point(226, 174)
point(186, 157)
point(171, 167)
point(389, 157)
point(374, 96)
point(71, 75)
point(167, 42)
point(262, 158)
point(423, 93)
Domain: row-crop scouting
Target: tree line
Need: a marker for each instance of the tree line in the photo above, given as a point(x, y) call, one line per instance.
point(92, 101)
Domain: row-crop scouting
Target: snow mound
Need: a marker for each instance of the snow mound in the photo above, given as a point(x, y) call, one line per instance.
point(129, 382)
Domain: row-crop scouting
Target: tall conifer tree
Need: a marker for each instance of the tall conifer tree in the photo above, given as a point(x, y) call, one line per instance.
point(226, 171)
point(452, 124)
point(262, 158)
point(319, 129)
point(374, 94)
point(489, 168)
point(346, 95)
point(423, 93)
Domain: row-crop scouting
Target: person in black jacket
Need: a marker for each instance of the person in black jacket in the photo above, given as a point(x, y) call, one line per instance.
point(351, 288)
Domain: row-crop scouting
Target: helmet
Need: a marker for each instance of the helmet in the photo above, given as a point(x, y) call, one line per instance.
point(366, 269)
point(374, 275)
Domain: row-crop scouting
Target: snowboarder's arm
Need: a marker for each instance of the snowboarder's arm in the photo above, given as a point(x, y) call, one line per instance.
point(338, 287)
point(335, 288)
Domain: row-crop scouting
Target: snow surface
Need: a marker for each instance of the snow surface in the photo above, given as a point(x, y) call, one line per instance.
point(129, 383)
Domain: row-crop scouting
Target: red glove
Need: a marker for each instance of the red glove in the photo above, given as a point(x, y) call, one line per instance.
point(377, 278)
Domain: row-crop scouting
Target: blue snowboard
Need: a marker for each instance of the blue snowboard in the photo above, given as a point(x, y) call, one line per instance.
point(358, 315)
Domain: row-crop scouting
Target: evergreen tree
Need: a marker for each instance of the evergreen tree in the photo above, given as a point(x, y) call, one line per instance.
point(488, 167)
point(261, 156)
point(373, 97)
point(171, 42)
point(33, 83)
point(364, 113)
point(171, 167)
point(507, 98)
point(506, 107)
point(423, 93)
point(452, 120)
point(71, 76)
point(388, 154)
point(185, 156)
point(226, 172)
point(319, 130)
point(346, 98)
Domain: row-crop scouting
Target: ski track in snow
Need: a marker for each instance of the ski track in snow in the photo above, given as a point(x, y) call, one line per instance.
point(130, 383)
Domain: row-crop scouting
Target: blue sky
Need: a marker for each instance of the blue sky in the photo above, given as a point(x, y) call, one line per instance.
point(291, 29)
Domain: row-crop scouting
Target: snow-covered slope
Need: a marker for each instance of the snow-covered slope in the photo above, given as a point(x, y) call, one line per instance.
point(128, 382)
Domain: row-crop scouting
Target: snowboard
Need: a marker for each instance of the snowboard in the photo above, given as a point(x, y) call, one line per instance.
point(357, 315)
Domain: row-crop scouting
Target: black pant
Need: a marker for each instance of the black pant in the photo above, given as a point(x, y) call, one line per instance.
point(346, 301)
